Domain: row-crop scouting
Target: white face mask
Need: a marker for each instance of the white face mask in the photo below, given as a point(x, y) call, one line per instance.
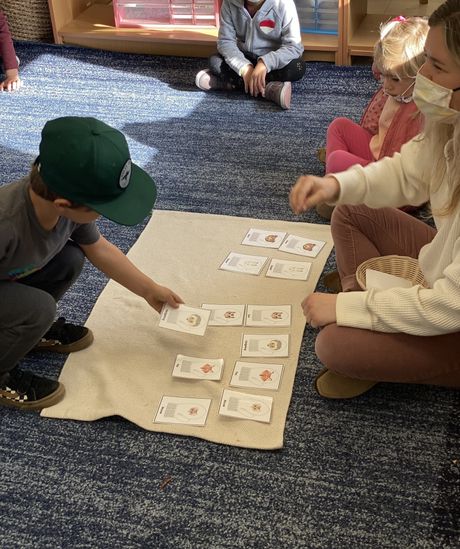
point(433, 100)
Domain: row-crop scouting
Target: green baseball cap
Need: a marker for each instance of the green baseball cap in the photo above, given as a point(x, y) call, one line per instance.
point(88, 162)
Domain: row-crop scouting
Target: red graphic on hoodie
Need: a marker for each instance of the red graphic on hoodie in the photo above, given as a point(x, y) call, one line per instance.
point(267, 26)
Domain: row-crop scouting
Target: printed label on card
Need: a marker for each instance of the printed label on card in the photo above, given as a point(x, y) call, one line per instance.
point(302, 246)
point(268, 315)
point(186, 411)
point(294, 270)
point(245, 406)
point(190, 367)
point(264, 239)
point(265, 345)
point(225, 315)
point(257, 375)
point(190, 320)
point(243, 263)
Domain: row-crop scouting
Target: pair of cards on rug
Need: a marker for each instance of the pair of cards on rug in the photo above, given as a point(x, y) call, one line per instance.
point(194, 411)
point(278, 268)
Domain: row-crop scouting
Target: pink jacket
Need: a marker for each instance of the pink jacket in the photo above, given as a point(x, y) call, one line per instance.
point(406, 124)
point(7, 53)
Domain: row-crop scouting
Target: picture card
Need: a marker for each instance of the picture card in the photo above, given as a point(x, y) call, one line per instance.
point(186, 411)
point(190, 367)
point(190, 320)
point(385, 281)
point(265, 345)
point(294, 270)
point(268, 315)
point(302, 246)
point(243, 263)
point(264, 239)
point(257, 375)
point(245, 406)
point(225, 315)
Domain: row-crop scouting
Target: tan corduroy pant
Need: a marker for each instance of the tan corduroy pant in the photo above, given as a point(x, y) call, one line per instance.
point(360, 233)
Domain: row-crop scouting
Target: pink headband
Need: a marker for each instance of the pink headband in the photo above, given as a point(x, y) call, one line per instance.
point(398, 19)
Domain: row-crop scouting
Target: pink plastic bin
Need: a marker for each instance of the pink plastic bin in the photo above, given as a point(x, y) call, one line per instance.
point(154, 13)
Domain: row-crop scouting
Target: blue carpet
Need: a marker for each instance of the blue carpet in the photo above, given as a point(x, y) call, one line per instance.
point(379, 471)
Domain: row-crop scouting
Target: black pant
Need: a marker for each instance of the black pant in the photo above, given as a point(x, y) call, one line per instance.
point(291, 72)
point(28, 305)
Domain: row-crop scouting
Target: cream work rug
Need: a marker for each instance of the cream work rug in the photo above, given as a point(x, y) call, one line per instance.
point(127, 370)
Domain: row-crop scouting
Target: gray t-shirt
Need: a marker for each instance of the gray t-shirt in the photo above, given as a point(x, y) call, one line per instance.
point(25, 246)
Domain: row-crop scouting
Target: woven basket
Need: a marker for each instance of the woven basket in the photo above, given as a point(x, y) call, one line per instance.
point(28, 19)
point(397, 265)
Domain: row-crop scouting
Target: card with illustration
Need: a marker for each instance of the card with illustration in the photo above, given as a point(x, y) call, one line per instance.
point(257, 375)
point(264, 239)
point(191, 367)
point(302, 246)
point(225, 315)
point(190, 320)
point(243, 263)
point(268, 315)
point(294, 270)
point(265, 345)
point(187, 411)
point(244, 406)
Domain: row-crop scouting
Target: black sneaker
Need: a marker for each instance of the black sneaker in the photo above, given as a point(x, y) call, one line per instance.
point(64, 337)
point(19, 389)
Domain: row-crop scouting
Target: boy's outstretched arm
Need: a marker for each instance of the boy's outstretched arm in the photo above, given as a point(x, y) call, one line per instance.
point(113, 263)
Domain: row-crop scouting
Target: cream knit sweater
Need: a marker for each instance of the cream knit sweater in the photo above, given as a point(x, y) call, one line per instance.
point(404, 179)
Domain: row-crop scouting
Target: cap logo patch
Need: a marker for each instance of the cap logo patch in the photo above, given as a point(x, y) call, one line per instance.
point(125, 175)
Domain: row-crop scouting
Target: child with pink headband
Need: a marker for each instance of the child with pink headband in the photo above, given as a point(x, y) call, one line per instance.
point(391, 118)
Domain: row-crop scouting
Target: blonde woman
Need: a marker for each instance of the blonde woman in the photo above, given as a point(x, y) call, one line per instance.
point(405, 335)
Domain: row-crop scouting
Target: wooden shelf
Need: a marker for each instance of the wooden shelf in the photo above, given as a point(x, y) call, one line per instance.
point(94, 27)
point(90, 23)
point(362, 41)
point(361, 27)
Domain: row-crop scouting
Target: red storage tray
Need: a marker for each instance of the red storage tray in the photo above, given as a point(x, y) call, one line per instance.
point(154, 13)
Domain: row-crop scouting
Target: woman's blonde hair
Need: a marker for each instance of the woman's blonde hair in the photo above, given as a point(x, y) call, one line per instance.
point(438, 133)
point(400, 48)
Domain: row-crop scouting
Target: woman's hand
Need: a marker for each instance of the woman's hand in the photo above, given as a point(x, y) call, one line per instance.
point(310, 190)
point(320, 309)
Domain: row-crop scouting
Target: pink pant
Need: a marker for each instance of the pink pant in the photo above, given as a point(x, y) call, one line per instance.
point(347, 143)
point(359, 233)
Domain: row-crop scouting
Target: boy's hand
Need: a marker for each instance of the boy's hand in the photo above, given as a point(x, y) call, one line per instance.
point(310, 190)
point(257, 82)
point(320, 309)
point(159, 295)
point(12, 81)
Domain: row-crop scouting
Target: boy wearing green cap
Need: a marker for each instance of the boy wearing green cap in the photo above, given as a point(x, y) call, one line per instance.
point(47, 228)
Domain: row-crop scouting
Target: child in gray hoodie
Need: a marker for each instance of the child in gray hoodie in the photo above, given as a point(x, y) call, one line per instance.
point(259, 50)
